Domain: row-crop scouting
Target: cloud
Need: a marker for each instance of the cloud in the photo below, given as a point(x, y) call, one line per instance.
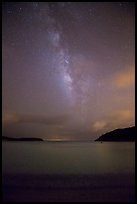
point(122, 115)
point(116, 119)
point(125, 79)
point(99, 125)
point(12, 118)
point(56, 120)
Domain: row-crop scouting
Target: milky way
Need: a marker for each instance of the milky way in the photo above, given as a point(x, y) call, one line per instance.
point(68, 62)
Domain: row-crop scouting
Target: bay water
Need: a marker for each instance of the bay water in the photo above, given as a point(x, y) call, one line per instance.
point(68, 157)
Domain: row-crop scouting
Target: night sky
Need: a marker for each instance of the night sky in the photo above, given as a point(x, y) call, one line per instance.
point(67, 68)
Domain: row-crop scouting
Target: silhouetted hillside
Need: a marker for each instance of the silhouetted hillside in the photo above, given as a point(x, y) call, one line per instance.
point(126, 134)
point(20, 139)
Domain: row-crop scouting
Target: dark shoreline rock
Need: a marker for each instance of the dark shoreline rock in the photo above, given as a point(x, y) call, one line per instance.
point(119, 135)
point(21, 139)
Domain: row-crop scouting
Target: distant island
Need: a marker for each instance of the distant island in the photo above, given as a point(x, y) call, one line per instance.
point(21, 139)
point(125, 134)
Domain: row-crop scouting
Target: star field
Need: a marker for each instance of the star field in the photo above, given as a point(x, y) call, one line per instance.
point(72, 61)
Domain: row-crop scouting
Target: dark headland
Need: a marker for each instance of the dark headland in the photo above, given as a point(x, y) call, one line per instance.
point(21, 139)
point(125, 135)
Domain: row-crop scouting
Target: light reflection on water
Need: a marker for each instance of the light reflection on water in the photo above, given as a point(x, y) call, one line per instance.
point(68, 157)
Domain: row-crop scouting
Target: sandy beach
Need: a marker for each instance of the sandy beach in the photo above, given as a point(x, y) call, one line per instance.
point(68, 188)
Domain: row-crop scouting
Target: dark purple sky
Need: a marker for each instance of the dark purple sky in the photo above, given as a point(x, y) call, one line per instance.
point(68, 68)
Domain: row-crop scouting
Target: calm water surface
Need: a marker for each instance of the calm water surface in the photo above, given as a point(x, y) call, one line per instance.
point(68, 157)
